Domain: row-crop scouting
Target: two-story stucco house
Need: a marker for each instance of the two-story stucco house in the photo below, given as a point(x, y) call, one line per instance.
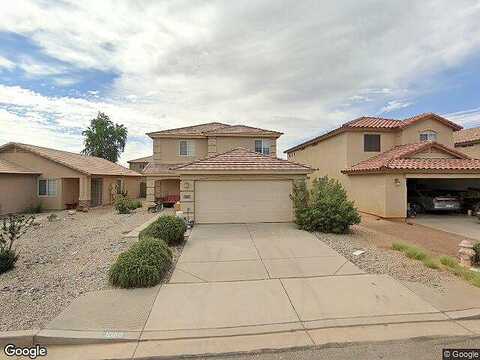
point(380, 160)
point(468, 142)
point(222, 173)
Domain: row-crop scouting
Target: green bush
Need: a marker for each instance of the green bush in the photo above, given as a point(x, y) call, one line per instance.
point(122, 204)
point(35, 209)
point(415, 253)
point(325, 208)
point(143, 265)
point(398, 246)
point(430, 263)
point(169, 228)
point(134, 204)
point(449, 261)
point(476, 248)
point(7, 260)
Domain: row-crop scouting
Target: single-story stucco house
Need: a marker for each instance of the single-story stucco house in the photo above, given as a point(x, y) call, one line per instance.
point(31, 175)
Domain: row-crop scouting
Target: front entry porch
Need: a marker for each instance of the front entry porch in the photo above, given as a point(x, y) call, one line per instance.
point(163, 189)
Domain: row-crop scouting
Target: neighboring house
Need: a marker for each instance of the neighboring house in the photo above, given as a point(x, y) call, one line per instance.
point(468, 142)
point(255, 187)
point(139, 164)
point(380, 160)
point(58, 179)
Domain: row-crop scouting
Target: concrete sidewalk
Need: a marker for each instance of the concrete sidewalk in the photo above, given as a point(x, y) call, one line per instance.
point(246, 287)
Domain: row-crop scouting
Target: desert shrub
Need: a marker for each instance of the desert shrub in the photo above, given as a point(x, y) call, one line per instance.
point(134, 204)
point(415, 253)
point(35, 209)
point(476, 248)
point(122, 204)
point(8, 259)
point(169, 228)
point(430, 263)
point(143, 265)
point(325, 208)
point(448, 261)
point(12, 228)
point(398, 246)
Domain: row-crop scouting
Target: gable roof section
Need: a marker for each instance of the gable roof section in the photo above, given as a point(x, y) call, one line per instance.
point(467, 136)
point(215, 129)
point(241, 159)
point(89, 165)
point(400, 158)
point(8, 167)
point(243, 130)
point(376, 123)
point(200, 129)
point(144, 159)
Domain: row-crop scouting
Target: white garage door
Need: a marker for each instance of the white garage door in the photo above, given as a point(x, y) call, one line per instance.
point(243, 201)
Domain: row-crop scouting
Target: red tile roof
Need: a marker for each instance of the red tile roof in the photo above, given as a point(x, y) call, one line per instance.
point(376, 123)
point(399, 158)
point(90, 165)
point(373, 122)
point(215, 128)
point(8, 167)
point(241, 159)
point(467, 136)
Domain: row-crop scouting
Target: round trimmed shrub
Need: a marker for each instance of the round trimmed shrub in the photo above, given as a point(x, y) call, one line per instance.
point(143, 265)
point(169, 228)
point(122, 204)
point(8, 258)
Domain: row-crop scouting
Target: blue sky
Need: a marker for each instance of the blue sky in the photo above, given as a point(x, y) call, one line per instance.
point(301, 68)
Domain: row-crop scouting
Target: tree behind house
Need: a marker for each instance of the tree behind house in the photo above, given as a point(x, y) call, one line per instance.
point(104, 139)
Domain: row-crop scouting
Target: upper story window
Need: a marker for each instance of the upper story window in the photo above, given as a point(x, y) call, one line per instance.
point(262, 146)
point(186, 148)
point(371, 142)
point(428, 136)
point(47, 187)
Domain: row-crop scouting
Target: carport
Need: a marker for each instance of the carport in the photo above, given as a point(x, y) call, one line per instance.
point(394, 175)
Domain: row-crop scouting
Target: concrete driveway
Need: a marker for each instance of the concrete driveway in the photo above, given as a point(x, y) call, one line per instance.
point(251, 278)
point(463, 225)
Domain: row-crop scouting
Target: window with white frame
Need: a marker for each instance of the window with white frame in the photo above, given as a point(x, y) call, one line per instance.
point(186, 148)
point(428, 136)
point(262, 146)
point(47, 187)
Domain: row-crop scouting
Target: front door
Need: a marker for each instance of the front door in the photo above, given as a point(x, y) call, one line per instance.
point(96, 192)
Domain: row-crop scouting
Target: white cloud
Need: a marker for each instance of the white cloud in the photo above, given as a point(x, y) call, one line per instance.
point(299, 67)
point(6, 64)
point(467, 118)
point(395, 105)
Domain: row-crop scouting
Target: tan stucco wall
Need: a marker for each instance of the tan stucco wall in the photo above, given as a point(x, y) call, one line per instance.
point(411, 134)
point(355, 146)
point(433, 154)
point(381, 195)
point(328, 156)
point(70, 190)
point(130, 184)
point(227, 143)
point(166, 151)
point(17, 192)
point(473, 151)
point(167, 187)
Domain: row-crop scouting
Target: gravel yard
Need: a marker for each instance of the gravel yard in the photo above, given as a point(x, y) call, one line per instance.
point(378, 259)
point(61, 260)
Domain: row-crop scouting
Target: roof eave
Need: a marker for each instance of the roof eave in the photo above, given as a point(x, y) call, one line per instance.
point(244, 172)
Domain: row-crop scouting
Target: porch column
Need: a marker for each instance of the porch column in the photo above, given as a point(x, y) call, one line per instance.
point(84, 192)
point(150, 191)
